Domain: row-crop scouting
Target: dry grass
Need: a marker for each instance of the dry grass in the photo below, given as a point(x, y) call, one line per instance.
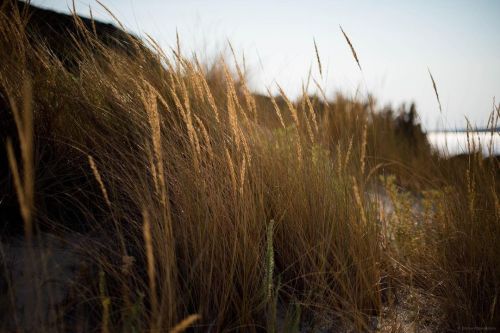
point(238, 207)
point(435, 90)
point(354, 54)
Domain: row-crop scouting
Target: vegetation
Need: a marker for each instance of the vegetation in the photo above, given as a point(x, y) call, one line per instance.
point(206, 206)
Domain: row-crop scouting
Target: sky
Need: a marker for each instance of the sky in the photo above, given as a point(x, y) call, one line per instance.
point(397, 42)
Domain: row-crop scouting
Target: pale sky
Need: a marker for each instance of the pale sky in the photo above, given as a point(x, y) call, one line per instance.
point(396, 41)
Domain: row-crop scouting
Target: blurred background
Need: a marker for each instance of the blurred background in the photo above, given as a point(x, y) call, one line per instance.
point(396, 42)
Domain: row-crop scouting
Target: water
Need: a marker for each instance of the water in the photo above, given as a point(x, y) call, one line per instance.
point(455, 143)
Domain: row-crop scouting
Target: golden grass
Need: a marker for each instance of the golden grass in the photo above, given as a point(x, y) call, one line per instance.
point(98, 178)
point(435, 90)
point(318, 59)
point(354, 54)
point(185, 323)
point(239, 208)
point(24, 185)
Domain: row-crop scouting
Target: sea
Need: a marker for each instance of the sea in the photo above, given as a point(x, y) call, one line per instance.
point(450, 143)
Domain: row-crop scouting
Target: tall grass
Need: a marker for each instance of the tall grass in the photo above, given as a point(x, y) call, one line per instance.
point(215, 208)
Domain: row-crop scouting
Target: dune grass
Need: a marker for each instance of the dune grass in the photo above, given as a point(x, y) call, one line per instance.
point(214, 208)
